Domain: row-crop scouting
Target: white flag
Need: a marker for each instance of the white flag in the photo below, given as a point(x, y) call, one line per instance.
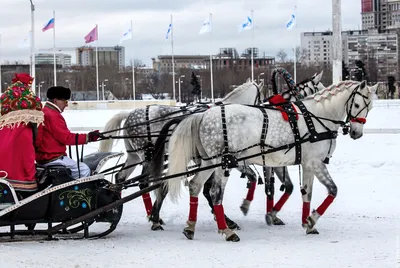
point(206, 27)
point(26, 42)
point(126, 35)
point(246, 25)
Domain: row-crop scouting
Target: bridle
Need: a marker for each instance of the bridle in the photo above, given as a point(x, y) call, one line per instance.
point(355, 118)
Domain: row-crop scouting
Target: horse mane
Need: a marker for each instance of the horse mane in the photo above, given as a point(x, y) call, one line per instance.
point(238, 90)
point(331, 90)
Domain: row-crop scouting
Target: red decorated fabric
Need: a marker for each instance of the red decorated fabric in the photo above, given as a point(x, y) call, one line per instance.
point(24, 78)
point(278, 99)
point(17, 157)
point(54, 136)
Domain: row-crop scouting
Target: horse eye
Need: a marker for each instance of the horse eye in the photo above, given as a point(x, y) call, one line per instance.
point(357, 105)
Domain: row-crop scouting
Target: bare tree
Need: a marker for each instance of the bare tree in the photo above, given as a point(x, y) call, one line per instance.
point(282, 55)
point(301, 55)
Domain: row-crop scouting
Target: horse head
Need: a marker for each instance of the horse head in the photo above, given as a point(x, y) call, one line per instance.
point(358, 106)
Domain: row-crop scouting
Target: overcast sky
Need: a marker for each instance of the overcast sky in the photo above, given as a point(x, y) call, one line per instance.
point(75, 18)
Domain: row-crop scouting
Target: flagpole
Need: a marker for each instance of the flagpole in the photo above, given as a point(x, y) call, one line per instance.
point(32, 43)
point(97, 66)
point(252, 48)
point(173, 61)
point(295, 56)
point(54, 48)
point(133, 69)
point(211, 64)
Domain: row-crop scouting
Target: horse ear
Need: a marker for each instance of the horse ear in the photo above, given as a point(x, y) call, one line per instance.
point(363, 84)
point(373, 89)
point(319, 76)
point(248, 80)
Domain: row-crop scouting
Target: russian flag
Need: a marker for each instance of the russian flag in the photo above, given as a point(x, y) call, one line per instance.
point(49, 25)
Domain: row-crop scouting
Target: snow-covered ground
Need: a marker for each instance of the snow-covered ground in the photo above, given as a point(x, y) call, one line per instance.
point(360, 229)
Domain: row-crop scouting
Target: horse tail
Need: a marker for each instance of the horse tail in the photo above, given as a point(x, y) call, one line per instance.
point(159, 148)
point(113, 123)
point(181, 149)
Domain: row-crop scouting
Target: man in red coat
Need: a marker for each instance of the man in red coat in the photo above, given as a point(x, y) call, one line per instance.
point(21, 113)
point(54, 136)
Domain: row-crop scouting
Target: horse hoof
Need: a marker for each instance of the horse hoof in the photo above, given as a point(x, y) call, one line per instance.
point(157, 227)
point(312, 231)
point(233, 238)
point(268, 219)
point(189, 234)
point(161, 222)
point(231, 224)
point(277, 221)
point(245, 207)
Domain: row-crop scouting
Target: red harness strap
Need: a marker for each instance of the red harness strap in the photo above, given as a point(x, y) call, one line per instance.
point(360, 120)
point(278, 99)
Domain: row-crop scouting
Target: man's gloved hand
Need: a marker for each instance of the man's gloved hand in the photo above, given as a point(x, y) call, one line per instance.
point(94, 135)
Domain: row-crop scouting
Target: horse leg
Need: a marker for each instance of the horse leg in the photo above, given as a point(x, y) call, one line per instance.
point(251, 185)
point(129, 166)
point(269, 192)
point(206, 192)
point(195, 185)
point(284, 177)
point(148, 205)
point(217, 195)
point(161, 193)
point(322, 174)
point(306, 191)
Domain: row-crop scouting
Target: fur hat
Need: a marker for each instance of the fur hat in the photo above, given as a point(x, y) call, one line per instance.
point(58, 92)
point(19, 105)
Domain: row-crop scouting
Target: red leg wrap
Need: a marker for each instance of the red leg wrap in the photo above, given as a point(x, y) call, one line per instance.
point(306, 212)
point(270, 204)
point(327, 202)
point(194, 203)
point(250, 192)
point(281, 202)
point(147, 203)
point(219, 214)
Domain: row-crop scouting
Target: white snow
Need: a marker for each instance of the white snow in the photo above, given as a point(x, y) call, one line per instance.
point(360, 228)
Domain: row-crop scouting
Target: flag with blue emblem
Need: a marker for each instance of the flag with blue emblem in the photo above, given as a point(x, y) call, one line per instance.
point(290, 24)
point(127, 34)
point(246, 25)
point(206, 27)
point(168, 31)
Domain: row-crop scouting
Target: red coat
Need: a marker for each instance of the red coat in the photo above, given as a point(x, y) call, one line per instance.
point(17, 157)
point(54, 136)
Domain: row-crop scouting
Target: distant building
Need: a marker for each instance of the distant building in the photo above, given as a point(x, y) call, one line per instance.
point(163, 63)
point(227, 58)
point(107, 56)
point(48, 58)
point(365, 45)
point(381, 15)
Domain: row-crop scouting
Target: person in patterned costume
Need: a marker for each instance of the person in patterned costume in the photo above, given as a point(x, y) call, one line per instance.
point(21, 114)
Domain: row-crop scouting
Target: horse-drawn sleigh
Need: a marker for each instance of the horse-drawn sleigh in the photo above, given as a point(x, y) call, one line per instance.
point(234, 134)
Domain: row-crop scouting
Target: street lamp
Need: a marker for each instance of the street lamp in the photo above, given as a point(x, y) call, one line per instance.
point(201, 86)
point(179, 87)
point(102, 87)
point(39, 87)
point(32, 42)
point(258, 77)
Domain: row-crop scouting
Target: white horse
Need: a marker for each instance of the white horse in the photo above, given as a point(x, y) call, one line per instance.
point(144, 124)
point(305, 88)
point(319, 118)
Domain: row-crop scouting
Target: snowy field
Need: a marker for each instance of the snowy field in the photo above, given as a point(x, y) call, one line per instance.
point(360, 229)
